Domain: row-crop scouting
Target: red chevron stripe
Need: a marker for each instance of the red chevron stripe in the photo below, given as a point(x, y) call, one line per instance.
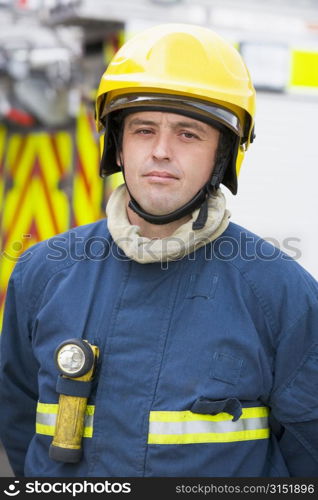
point(17, 159)
point(19, 205)
point(33, 231)
point(57, 155)
point(82, 173)
point(2, 298)
point(74, 221)
point(2, 162)
point(92, 124)
point(39, 171)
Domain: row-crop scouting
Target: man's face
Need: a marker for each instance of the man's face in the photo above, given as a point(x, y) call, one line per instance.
point(167, 158)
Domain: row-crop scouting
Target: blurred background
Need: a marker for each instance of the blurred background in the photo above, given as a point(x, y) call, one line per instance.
point(52, 55)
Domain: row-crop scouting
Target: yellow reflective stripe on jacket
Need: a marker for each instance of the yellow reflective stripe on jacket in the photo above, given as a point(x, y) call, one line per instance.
point(46, 418)
point(185, 427)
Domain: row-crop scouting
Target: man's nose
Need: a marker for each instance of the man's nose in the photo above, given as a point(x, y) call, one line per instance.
point(161, 147)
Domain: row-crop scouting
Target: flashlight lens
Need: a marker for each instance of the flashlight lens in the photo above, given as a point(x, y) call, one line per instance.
point(71, 359)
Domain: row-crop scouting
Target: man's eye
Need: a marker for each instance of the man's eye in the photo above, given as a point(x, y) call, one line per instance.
point(143, 131)
point(189, 135)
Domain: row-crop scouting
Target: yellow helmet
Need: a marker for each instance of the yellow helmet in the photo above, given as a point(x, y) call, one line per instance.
point(186, 68)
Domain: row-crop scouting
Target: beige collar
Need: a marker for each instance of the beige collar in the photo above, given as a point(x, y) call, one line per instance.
point(182, 242)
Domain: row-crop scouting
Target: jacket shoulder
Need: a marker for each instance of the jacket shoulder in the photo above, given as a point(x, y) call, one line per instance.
point(277, 280)
point(48, 257)
point(251, 253)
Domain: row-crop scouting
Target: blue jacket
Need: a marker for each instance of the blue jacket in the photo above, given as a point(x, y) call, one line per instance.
point(208, 365)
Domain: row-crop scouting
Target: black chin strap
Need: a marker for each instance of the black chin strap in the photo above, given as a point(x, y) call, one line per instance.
point(200, 221)
point(200, 199)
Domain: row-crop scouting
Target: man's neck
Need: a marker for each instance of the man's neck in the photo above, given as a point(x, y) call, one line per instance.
point(154, 231)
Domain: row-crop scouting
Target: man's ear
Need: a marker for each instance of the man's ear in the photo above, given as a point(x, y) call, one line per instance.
point(119, 158)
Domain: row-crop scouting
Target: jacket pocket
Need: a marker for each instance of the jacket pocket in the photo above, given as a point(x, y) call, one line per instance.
point(201, 285)
point(226, 368)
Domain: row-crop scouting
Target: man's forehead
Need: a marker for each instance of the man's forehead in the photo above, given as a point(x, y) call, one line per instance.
point(158, 117)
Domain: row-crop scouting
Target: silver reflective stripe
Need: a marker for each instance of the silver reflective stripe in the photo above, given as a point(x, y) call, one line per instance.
point(202, 426)
point(45, 419)
point(177, 102)
point(50, 419)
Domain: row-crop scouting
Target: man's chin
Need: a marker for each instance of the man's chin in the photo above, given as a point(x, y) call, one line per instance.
point(157, 210)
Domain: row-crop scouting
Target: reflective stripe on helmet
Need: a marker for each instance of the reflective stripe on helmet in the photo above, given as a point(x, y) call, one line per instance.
point(185, 427)
point(204, 110)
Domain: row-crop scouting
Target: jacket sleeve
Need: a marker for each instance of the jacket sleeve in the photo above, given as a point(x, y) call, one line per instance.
point(295, 397)
point(18, 381)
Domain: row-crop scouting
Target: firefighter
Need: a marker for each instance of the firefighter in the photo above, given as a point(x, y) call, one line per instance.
point(206, 334)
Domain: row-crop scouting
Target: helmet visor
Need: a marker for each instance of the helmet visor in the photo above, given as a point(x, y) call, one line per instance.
point(200, 110)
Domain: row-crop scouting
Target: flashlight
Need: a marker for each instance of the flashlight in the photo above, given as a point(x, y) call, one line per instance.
point(75, 360)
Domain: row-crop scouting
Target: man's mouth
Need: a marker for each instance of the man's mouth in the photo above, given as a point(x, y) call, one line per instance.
point(160, 176)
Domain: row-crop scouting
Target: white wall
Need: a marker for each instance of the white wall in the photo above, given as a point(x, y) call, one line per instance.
point(278, 184)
